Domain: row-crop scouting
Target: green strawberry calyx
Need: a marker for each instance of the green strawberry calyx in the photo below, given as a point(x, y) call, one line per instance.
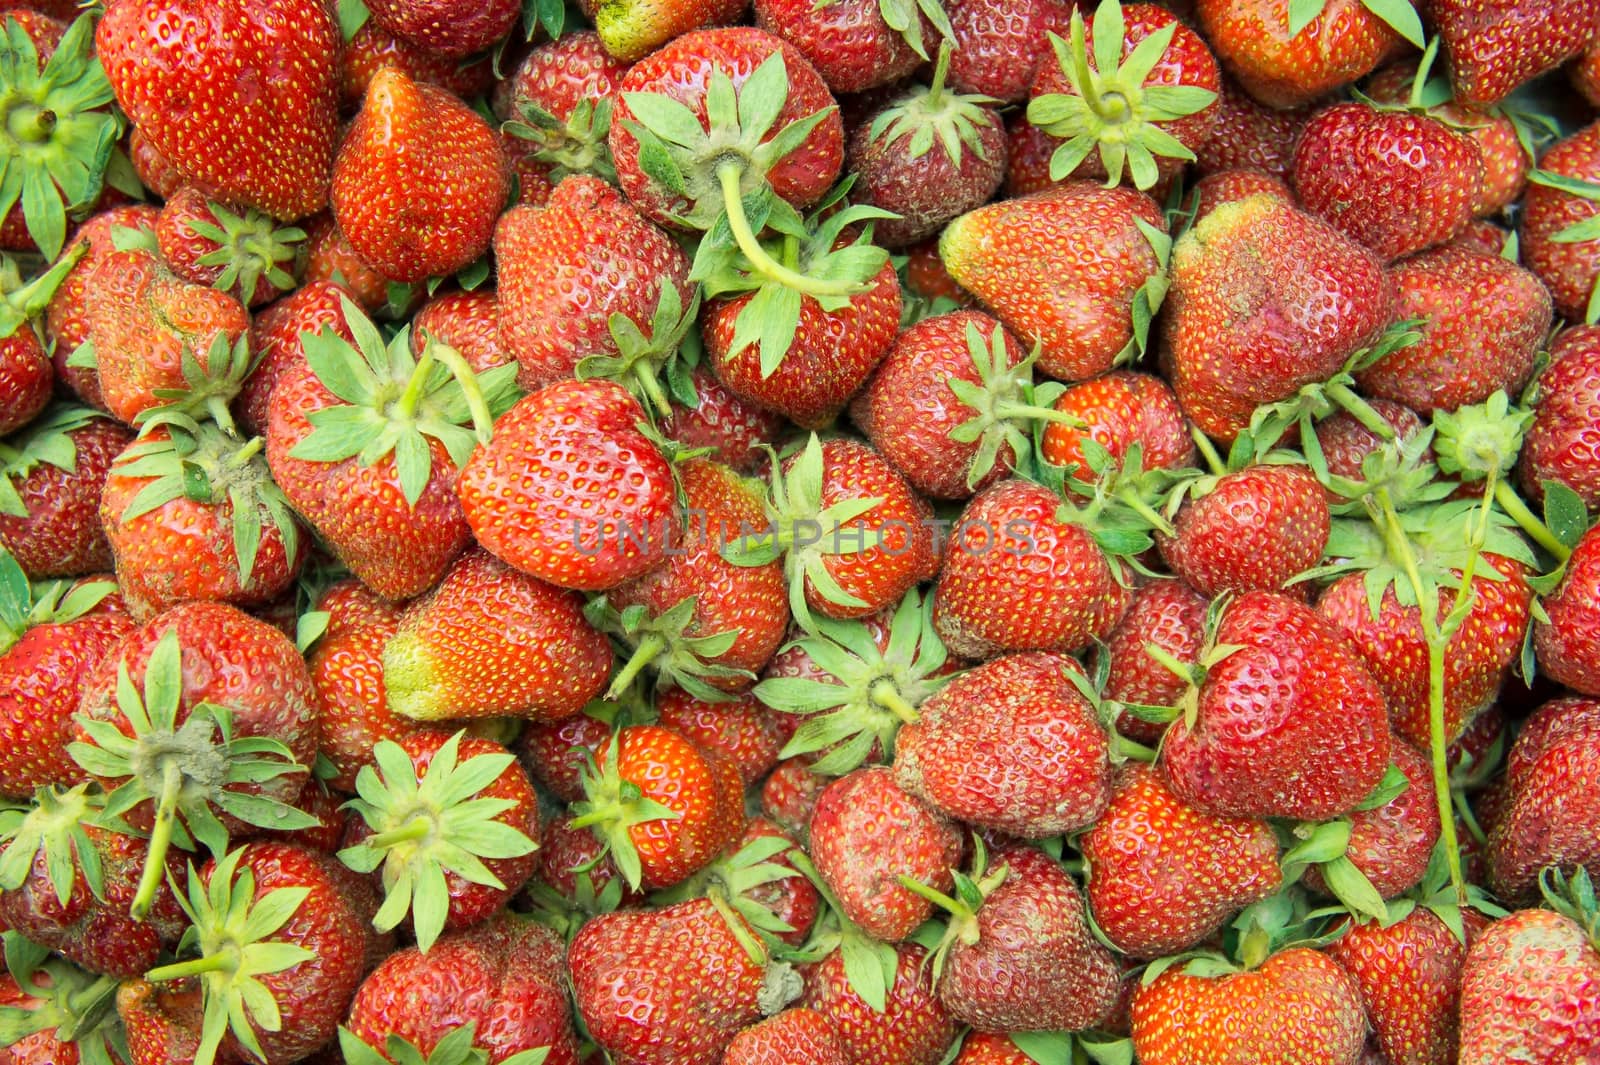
point(185, 768)
point(905, 18)
point(393, 402)
point(55, 826)
point(24, 606)
point(76, 1007)
point(48, 441)
point(1573, 897)
point(23, 301)
point(57, 130)
point(1005, 402)
point(237, 937)
point(1324, 845)
point(250, 247)
point(970, 891)
point(1111, 108)
point(669, 643)
point(428, 826)
point(456, 1048)
point(643, 361)
point(870, 691)
point(933, 114)
point(613, 807)
point(1119, 504)
point(870, 965)
point(576, 146)
point(730, 879)
point(209, 386)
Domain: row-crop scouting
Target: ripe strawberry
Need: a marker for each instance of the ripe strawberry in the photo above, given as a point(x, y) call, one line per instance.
point(419, 181)
point(1495, 46)
point(346, 667)
point(1170, 615)
point(1255, 530)
point(672, 986)
point(154, 170)
point(1016, 257)
point(450, 28)
point(240, 252)
point(664, 807)
point(1311, 748)
point(51, 478)
point(613, 262)
point(556, 752)
point(502, 979)
point(1011, 745)
point(1390, 844)
point(275, 340)
point(899, 1020)
point(1566, 408)
point(1395, 181)
point(866, 833)
point(1342, 41)
point(1567, 639)
point(244, 103)
point(857, 45)
point(373, 47)
point(579, 870)
point(1249, 134)
point(1298, 1006)
point(1548, 807)
point(452, 821)
point(1163, 876)
point(744, 729)
point(796, 1036)
point(195, 515)
point(47, 1002)
point(1018, 578)
point(489, 641)
point(744, 874)
point(1229, 186)
point(26, 378)
point(1000, 44)
point(1236, 331)
point(541, 495)
point(789, 796)
point(990, 1048)
point(1117, 411)
point(366, 439)
point(329, 257)
point(557, 106)
point(469, 322)
point(927, 155)
point(735, 429)
point(632, 29)
point(1558, 241)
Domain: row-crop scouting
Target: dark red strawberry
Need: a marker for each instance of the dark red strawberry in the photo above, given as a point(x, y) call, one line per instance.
point(895, 1020)
point(556, 752)
point(1283, 64)
point(1494, 46)
point(451, 28)
point(1256, 529)
point(1000, 44)
point(735, 429)
point(51, 478)
point(154, 170)
point(1390, 844)
point(238, 251)
point(275, 341)
point(1567, 638)
point(1561, 443)
point(796, 1036)
point(1559, 240)
point(1345, 441)
point(579, 869)
point(1171, 616)
point(1249, 134)
point(26, 378)
point(744, 729)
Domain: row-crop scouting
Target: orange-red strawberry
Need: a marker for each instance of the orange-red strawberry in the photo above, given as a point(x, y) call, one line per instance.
point(1064, 269)
point(1164, 876)
point(796, 1036)
point(1341, 41)
point(419, 181)
point(1559, 444)
point(1256, 529)
point(373, 47)
point(744, 729)
point(238, 251)
point(898, 1021)
point(241, 97)
point(1567, 639)
point(466, 321)
point(1495, 46)
point(1559, 242)
point(51, 478)
point(1226, 186)
point(1000, 44)
point(631, 29)
point(1117, 411)
point(329, 257)
point(450, 28)
point(557, 106)
point(275, 342)
point(346, 666)
point(1390, 844)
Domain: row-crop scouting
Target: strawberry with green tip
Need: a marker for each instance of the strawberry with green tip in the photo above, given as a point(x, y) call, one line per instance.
point(239, 251)
point(632, 29)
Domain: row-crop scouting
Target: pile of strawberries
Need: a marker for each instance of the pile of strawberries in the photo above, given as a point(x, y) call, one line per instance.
point(800, 532)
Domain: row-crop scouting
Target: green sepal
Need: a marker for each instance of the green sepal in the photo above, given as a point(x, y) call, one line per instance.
point(1472, 441)
point(77, 1007)
point(209, 386)
point(576, 146)
point(251, 247)
point(612, 807)
point(643, 362)
point(931, 114)
point(1008, 407)
point(456, 1048)
point(25, 301)
point(55, 825)
point(24, 606)
point(663, 643)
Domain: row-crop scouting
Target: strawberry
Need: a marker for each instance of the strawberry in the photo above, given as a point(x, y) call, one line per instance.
point(1249, 134)
point(796, 1036)
point(613, 262)
point(502, 979)
point(1285, 59)
point(1255, 530)
point(927, 155)
point(449, 28)
point(373, 47)
point(1311, 748)
point(735, 429)
point(26, 378)
point(1566, 407)
point(1235, 332)
point(752, 876)
point(281, 946)
point(275, 339)
point(895, 1019)
point(346, 666)
point(468, 321)
point(558, 105)
point(452, 821)
point(1567, 639)
point(1228, 186)
point(789, 796)
point(56, 1014)
point(1530, 986)
point(1164, 876)
point(1117, 411)
point(867, 832)
point(162, 1023)
point(489, 641)
point(1558, 237)
point(1143, 107)
point(366, 439)
point(744, 729)
point(329, 257)
point(555, 752)
point(51, 478)
point(857, 45)
point(194, 514)
point(1298, 1006)
point(579, 870)
point(419, 181)
point(240, 252)
point(1012, 745)
point(1000, 45)
point(244, 103)
point(1495, 46)
point(540, 495)
point(1026, 260)
point(990, 1048)
point(1548, 805)
point(1171, 616)
point(155, 171)
point(663, 807)
point(632, 29)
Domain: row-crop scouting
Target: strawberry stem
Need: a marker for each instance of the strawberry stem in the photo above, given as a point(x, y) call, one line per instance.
point(222, 961)
point(241, 458)
point(940, 70)
point(1124, 749)
point(728, 176)
point(405, 408)
point(413, 830)
point(649, 649)
point(155, 859)
point(1529, 522)
point(645, 374)
point(885, 694)
point(1359, 409)
point(477, 405)
point(1208, 451)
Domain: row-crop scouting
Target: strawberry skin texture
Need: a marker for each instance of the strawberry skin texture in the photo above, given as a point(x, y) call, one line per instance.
point(846, 40)
point(1551, 801)
point(664, 987)
point(240, 96)
point(26, 379)
point(275, 340)
point(567, 267)
point(914, 1028)
point(1530, 993)
point(1265, 298)
point(734, 428)
point(1010, 745)
point(419, 181)
point(1568, 270)
point(1060, 269)
point(1343, 43)
point(1299, 1008)
point(1391, 844)
point(796, 1036)
point(1248, 134)
point(346, 668)
point(489, 641)
point(466, 321)
point(1410, 978)
point(373, 48)
point(329, 257)
point(1494, 46)
point(1017, 579)
point(449, 28)
point(1568, 645)
point(1118, 410)
point(1000, 44)
point(1255, 531)
point(1563, 443)
point(1170, 615)
point(744, 729)
point(61, 536)
point(1163, 875)
point(543, 496)
point(1310, 745)
point(866, 832)
point(632, 29)
point(990, 1048)
point(554, 752)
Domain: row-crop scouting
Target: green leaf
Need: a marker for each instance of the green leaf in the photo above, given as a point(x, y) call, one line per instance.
point(1303, 13)
point(1400, 17)
point(1564, 513)
point(1350, 886)
point(1046, 1048)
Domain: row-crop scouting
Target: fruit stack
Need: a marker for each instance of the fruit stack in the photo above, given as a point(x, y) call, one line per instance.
point(800, 532)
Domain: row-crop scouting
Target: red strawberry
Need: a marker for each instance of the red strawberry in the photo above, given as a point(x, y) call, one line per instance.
point(1000, 44)
point(1255, 530)
point(867, 832)
point(240, 252)
point(1117, 411)
point(1558, 240)
point(51, 478)
point(451, 28)
point(735, 429)
point(26, 378)
point(373, 47)
point(450, 824)
point(275, 339)
point(241, 97)
point(1238, 328)
point(1390, 844)
point(631, 29)
point(1011, 745)
point(1567, 640)
point(744, 729)
point(541, 496)
point(556, 752)
point(1164, 876)
point(1494, 46)
point(579, 870)
point(796, 1036)
point(1311, 746)
point(1026, 260)
point(419, 181)
point(1170, 615)
point(1342, 41)
point(329, 257)
point(346, 667)
point(790, 795)
point(1228, 186)
point(990, 1048)
point(469, 322)
point(1249, 134)
point(502, 979)
point(856, 44)
point(899, 1021)
point(558, 106)
point(154, 170)
point(46, 1001)
point(1559, 444)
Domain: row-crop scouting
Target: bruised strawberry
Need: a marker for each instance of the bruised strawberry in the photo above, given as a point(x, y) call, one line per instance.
point(1561, 443)
point(1228, 186)
point(790, 795)
point(1256, 529)
point(1341, 41)
point(51, 479)
point(1559, 242)
point(450, 28)
point(1495, 46)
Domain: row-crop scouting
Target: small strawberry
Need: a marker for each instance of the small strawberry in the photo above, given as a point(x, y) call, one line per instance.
point(796, 1036)
point(276, 341)
point(578, 869)
point(736, 430)
point(346, 667)
point(558, 106)
point(556, 752)
point(245, 103)
point(632, 29)
point(1249, 134)
point(1566, 408)
point(329, 257)
point(887, 1013)
point(1286, 58)
point(51, 478)
point(1256, 529)
point(1567, 639)
point(991, 1048)
point(240, 252)
point(1560, 241)
point(1494, 46)
point(756, 878)
point(468, 321)
point(419, 181)
point(857, 45)
point(450, 28)
point(1117, 411)
point(789, 796)
point(747, 731)
point(155, 171)
point(1171, 616)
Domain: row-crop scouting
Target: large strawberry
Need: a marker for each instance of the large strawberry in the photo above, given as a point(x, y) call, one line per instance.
point(243, 100)
point(51, 478)
point(1494, 46)
point(1000, 44)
